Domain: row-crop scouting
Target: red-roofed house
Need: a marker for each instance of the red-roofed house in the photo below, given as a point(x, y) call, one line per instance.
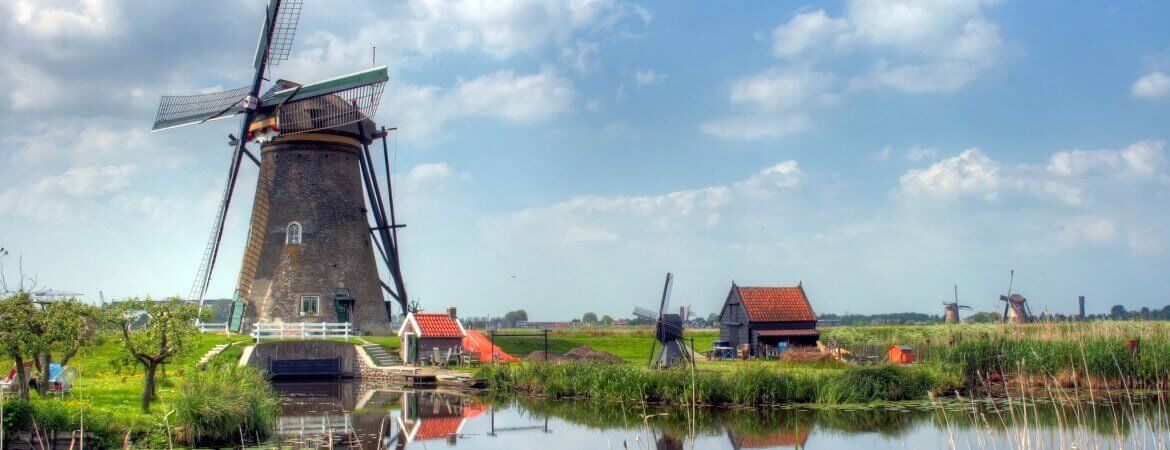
point(767, 317)
point(424, 334)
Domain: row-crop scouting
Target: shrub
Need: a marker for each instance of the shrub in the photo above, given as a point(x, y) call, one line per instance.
point(215, 406)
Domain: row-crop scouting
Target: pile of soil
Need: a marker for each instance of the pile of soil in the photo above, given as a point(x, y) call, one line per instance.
point(587, 353)
point(804, 354)
point(539, 356)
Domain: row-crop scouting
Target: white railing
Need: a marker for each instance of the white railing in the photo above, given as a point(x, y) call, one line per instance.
point(301, 330)
point(209, 327)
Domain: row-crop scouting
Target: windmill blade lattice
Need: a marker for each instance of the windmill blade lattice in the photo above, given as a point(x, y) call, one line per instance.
point(330, 111)
point(284, 29)
point(179, 110)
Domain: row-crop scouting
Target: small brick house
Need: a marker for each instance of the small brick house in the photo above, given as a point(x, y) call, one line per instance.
point(765, 317)
point(423, 334)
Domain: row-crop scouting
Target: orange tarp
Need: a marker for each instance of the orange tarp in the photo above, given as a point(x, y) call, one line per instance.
point(476, 342)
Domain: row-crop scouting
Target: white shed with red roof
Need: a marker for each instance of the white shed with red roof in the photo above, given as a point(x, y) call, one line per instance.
point(429, 338)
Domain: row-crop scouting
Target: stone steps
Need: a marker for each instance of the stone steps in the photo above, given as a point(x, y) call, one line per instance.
point(381, 356)
point(215, 351)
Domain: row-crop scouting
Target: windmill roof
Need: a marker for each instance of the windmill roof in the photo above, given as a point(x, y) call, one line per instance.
point(776, 304)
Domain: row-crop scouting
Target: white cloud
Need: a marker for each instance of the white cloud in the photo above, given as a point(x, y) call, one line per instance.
point(602, 219)
point(750, 127)
point(1154, 85)
point(1140, 161)
point(582, 56)
point(422, 110)
point(49, 198)
point(773, 103)
point(811, 32)
point(1091, 229)
point(918, 153)
point(971, 173)
point(648, 77)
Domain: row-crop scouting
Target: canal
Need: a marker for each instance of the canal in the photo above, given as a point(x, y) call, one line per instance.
point(355, 415)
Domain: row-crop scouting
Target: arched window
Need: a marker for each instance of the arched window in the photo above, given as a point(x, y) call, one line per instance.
point(294, 234)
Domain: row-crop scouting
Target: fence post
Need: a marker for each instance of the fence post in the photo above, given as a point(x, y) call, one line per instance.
point(546, 344)
point(493, 347)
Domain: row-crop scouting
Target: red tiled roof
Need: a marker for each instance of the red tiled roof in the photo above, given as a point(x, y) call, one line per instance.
point(438, 427)
point(776, 304)
point(437, 325)
point(782, 333)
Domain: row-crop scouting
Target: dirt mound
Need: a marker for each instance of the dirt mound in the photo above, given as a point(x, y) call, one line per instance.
point(804, 354)
point(539, 356)
point(587, 353)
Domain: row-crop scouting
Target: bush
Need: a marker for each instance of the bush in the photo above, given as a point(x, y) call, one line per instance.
point(215, 406)
point(17, 416)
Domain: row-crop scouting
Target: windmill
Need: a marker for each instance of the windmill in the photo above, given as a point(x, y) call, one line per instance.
point(951, 309)
point(1015, 306)
point(668, 331)
point(310, 236)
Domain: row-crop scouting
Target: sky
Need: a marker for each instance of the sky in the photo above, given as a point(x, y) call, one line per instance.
point(562, 157)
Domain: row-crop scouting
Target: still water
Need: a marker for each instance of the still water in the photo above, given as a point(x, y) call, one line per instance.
point(353, 415)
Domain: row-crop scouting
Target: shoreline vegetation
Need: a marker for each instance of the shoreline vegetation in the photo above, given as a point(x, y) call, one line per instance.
point(1083, 360)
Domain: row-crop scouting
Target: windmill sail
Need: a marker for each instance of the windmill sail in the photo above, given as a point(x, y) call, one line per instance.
point(330, 103)
point(178, 110)
point(280, 28)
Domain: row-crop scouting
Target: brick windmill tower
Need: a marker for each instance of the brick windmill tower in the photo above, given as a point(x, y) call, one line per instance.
point(312, 252)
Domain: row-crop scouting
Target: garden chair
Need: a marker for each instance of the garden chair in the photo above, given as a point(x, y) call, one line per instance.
point(61, 379)
point(8, 384)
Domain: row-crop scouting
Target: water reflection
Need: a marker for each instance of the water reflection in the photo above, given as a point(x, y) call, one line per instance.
point(352, 415)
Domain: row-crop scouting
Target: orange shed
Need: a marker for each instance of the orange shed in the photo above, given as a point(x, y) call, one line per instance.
point(901, 354)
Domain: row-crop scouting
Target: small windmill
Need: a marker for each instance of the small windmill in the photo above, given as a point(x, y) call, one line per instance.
point(668, 331)
point(1015, 307)
point(951, 311)
point(328, 117)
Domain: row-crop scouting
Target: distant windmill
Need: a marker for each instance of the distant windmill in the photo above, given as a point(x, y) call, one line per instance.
point(668, 331)
point(952, 309)
point(1015, 307)
point(310, 232)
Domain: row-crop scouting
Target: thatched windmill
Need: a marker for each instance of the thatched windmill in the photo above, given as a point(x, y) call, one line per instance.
point(951, 309)
point(1015, 308)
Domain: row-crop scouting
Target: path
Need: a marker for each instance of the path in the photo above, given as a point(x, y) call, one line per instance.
point(476, 342)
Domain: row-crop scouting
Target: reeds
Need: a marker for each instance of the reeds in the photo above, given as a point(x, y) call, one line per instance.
point(217, 406)
point(750, 384)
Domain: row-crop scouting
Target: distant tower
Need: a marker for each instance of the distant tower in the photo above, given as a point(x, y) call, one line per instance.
point(1081, 303)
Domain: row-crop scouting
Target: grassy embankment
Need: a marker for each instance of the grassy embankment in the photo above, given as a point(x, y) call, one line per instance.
point(1078, 355)
point(108, 391)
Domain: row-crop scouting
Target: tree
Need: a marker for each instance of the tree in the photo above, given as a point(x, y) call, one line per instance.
point(169, 332)
point(712, 318)
point(606, 319)
point(1118, 312)
point(17, 339)
point(518, 315)
point(589, 318)
point(63, 327)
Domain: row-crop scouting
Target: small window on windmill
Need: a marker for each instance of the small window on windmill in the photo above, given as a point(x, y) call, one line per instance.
point(294, 234)
point(310, 305)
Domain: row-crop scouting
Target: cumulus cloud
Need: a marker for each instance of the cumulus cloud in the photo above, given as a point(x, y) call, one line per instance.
point(648, 77)
point(608, 219)
point(915, 47)
point(1154, 86)
point(773, 103)
point(422, 110)
point(50, 196)
point(582, 56)
point(1140, 161)
point(971, 173)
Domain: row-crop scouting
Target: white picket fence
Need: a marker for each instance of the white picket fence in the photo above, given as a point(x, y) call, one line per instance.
point(301, 330)
point(210, 327)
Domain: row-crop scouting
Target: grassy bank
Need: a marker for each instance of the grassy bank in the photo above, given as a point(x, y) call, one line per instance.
point(108, 390)
point(747, 384)
point(1064, 352)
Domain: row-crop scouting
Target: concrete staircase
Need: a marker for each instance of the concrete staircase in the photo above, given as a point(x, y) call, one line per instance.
point(215, 351)
point(380, 356)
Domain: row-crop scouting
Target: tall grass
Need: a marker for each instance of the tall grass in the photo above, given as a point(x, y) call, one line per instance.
point(218, 406)
point(750, 384)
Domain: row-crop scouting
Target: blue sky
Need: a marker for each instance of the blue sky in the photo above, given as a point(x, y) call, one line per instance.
point(562, 156)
